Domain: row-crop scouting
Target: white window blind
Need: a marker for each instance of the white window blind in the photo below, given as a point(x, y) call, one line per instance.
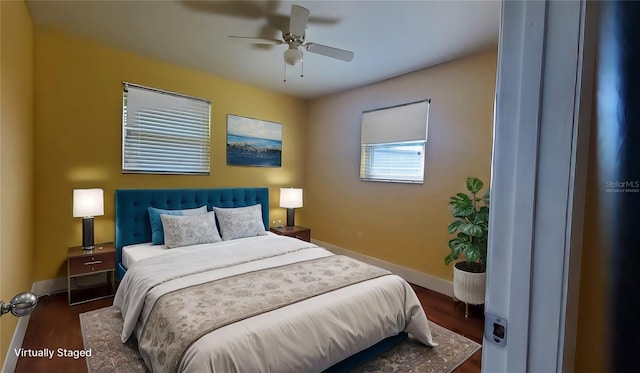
point(393, 142)
point(397, 162)
point(164, 132)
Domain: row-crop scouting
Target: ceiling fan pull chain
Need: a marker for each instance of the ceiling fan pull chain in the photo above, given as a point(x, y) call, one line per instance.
point(302, 69)
point(285, 72)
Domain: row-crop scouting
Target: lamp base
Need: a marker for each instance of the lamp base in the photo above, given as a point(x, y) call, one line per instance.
point(291, 217)
point(87, 233)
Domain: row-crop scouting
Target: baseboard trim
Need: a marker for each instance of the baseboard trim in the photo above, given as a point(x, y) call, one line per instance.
point(48, 287)
point(411, 275)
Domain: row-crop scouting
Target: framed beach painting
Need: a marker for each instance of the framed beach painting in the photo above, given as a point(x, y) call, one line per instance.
point(253, 142)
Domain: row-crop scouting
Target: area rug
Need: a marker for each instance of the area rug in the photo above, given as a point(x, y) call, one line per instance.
point(101, 333)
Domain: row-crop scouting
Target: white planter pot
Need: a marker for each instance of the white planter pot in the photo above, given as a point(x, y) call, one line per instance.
point(469, 287)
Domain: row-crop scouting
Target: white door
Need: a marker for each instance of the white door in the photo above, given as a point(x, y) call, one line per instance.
point(541, 136)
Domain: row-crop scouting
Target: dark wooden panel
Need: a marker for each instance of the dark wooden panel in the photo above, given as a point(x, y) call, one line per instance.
point(298, 232)
point(92, 263)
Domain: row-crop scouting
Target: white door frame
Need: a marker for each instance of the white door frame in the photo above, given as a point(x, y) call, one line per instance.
point(541, 136)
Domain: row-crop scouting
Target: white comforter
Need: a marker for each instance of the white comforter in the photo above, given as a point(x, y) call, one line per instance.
point(306, 336)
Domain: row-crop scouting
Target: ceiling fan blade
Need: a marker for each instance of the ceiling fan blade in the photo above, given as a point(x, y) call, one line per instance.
point(332, 52)
point(252, 40)
point(299, 19)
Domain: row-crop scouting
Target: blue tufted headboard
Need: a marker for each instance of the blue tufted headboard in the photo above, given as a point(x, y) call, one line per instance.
point(132, 216)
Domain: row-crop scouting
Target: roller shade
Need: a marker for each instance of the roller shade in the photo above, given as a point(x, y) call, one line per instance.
point(400, 123)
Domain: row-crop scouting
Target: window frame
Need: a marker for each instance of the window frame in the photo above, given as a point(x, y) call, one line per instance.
point(411, 136)
point(205, 140)
point(371, 174)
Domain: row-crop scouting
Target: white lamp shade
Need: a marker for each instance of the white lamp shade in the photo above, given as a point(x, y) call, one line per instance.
point(290, 198)
point(88, 202)
point(293, 56)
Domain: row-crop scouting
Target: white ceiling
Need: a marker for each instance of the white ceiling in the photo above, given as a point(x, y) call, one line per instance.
point(389, 38)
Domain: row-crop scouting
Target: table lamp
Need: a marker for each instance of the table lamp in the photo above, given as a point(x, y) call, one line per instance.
point(87, 203)
point(290, 198)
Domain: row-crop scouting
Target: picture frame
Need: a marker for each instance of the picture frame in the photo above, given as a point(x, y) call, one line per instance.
point(253, 142)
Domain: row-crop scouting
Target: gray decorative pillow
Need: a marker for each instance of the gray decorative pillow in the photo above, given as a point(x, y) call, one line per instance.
point(240, 222)
point(157, 233)
point(185, 230)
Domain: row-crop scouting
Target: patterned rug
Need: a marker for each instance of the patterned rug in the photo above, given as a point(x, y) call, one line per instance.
point(101, 333)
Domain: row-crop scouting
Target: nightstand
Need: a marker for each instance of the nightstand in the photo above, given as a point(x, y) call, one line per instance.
point(80, 263)
point(302, 233)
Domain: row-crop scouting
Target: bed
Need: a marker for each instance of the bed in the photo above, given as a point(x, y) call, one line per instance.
point(249, 303)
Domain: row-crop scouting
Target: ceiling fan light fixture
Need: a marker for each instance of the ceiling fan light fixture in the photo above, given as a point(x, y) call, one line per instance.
point(293, 56)
point(295, 38)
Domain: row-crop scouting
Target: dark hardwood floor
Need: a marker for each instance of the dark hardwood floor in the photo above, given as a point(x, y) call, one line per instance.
point(55, 325)
point(443, 311)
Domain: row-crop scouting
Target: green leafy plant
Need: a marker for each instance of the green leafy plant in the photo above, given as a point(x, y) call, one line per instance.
point(471, 224)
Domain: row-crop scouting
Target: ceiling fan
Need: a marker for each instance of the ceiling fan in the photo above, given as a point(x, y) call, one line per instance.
point(295, 39)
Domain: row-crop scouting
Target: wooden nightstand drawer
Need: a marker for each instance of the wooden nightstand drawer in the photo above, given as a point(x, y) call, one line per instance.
point(91, 263)
point(304, 235)
point(298, 232)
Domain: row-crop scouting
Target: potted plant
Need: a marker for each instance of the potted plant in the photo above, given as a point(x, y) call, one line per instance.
point(471, 227)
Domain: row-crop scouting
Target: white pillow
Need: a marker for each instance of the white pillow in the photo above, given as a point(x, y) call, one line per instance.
point(240, 222)
point(185, 230)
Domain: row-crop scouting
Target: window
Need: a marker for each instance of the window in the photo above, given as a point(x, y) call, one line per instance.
point(393, 142)
point(399, 161)
point(164, 132)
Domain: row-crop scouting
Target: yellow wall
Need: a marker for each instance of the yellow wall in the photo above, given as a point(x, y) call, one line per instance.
point(78, 113)
point(16, 159)
point(401, 223)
